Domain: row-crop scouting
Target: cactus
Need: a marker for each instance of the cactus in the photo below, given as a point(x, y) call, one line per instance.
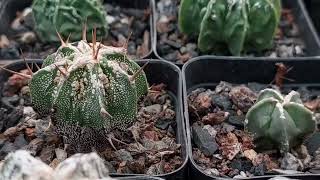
point(236, 25)
point(89, 89)
point(279, 121)
point(67, 17)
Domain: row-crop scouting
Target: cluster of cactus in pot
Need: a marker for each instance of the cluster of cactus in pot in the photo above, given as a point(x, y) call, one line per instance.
point(89, 89)
point(236, 25)
point(281, 122)
point(67, 17)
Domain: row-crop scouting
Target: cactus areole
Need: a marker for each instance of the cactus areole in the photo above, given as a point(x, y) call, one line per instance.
point(279, 121)
point(88, 86)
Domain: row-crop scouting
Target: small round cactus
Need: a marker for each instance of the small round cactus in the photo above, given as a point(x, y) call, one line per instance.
point(67, 16)
point(89, 89)
point(281, 121)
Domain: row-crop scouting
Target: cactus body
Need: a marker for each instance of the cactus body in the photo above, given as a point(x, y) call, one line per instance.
point(280, 121)
point(89, 89)
point(236, 25)
point(67, 17)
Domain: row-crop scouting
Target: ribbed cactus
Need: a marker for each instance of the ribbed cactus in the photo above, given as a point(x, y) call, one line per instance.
point(281, 121)
point(236, 25)
point(67, 17)
point(88, 89)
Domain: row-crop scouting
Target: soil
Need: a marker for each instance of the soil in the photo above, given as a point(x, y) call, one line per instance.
point(147, 147)
point(122, 22)
point(222, 148)
point(174, 46)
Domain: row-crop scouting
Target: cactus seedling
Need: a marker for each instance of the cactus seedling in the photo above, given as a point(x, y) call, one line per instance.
point(90, 89)
point(67, 16)
point(281, 121)
point(236, 25)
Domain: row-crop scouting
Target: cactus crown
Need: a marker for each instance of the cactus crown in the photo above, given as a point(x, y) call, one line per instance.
point(67, 16)
point(89, 85)
point(237, 25)
point(281, 121)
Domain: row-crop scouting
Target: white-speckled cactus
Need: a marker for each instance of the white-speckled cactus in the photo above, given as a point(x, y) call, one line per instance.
point(89, 89)
point(278, 120)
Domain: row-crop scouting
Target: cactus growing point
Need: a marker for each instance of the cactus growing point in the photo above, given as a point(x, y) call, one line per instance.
point(89, 89)
point(278, 120)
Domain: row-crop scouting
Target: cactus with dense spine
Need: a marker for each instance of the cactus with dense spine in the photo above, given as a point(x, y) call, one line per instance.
point(89, 89)
point(278, 120)
point(67, 17)
point(236, 25)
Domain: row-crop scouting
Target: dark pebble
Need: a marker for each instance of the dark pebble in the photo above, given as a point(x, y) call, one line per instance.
point(313, 143)
point(10, 102)
point(203, 140)
point(110, 167)
point(7, 148)
point(237, 121)
point(173, 44)
point(241, 165)
point(221, 101)
point(258, 170)
point(13, 118)
point(9, 53)
point(20, 141)
point(163, 124)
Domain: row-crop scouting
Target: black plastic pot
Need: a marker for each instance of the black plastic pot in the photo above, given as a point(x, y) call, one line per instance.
point(302, 19)
point(206, 72)
point(313, 7)
point(157, 71)
point(139, 178)
point(8, 9)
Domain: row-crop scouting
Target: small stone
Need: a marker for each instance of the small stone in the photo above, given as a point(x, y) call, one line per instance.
point(313, 143)
point(155, 169)
point(163, 123)
point(20, 141)
point(259, 170)
point(10, 102)
point(221, 101)
point(241, 165)
point(81, 166)
point(61, 154)
point(237, 121)
point(243, 97)
point(34, 146)
point(7, 148)
point(123, 155)
point(215, 118)
point(203, 140)
point(153, 109)
point(227, 127)
point(21, 165)
point(290, 162)
point(110, 167)
point(212, 172)
point(223, 87)
point(47, 154)
point(151, 135)
point(29, 112)
point(210, 130)
point(250, 154)
point(54, 163)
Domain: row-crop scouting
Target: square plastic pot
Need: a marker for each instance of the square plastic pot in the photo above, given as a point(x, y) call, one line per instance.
point(157, 71)
point(8, 9)
point(205, 72)
point(302, 19)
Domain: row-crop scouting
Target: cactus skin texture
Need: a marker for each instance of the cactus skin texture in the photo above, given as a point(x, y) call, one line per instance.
point(67, 17)
point(89, 89)
point(279, 121)
point(236, 25)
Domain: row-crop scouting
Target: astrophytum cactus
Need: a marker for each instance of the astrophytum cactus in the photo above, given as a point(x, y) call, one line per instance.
point(236, 25)
point(67, 17)
point(89, 89)
point(279, 121)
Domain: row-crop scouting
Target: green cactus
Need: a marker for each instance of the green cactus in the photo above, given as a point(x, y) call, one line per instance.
point(67, 17)
point(90, 89)
point(280, 121)
point(238, 25)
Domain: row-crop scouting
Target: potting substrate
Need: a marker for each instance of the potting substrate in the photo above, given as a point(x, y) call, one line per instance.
point(150, 146)
point(294, 38)
point(127, 21)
